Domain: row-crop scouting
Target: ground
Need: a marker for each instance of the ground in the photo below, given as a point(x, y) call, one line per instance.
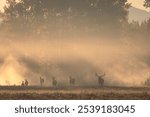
point(76, 93)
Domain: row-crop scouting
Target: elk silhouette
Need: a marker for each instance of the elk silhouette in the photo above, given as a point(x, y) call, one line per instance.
point(22, 84)
point(26, 83)
point(71, 80)
point(54, 81)
point(100, 79)
point(41, 81)
point(147, 81)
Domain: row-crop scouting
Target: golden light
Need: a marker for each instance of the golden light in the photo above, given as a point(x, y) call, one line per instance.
point(9, 72)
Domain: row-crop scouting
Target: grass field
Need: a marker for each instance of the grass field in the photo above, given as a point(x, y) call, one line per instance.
point(75, 93)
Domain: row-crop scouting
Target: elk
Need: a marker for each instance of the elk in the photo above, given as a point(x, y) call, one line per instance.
point(147, 82)
point(41, 81)
point(100, 79)
point(26, 83)
point(22, 84)
point(71, 80)
point(54, 81)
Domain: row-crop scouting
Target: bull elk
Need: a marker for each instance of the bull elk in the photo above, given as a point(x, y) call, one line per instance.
point(100, 79)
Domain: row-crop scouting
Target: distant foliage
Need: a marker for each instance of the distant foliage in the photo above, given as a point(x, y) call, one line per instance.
point(135, 30)
point(147, 3)
point(71, 18)
point(64, 17)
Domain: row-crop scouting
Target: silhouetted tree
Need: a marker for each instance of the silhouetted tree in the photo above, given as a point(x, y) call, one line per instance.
point(147, 3)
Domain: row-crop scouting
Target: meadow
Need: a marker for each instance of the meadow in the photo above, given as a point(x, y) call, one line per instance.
point(73, 93)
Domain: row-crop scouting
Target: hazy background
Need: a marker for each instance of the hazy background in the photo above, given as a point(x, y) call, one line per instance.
point(135, 3)
point(74, 42)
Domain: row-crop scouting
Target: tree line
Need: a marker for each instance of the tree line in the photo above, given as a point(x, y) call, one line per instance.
point(69, 17)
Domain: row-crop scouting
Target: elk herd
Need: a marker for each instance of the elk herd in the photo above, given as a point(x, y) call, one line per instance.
point(54, 81)
point(71, 81)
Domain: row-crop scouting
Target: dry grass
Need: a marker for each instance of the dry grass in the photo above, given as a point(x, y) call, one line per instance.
point(48, 93)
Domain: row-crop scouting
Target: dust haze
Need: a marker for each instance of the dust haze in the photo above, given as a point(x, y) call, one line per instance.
point(123, 61)
point(63, 38)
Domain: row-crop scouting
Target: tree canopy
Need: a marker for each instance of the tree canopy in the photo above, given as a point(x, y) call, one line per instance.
point(147, 3)
point(60, 16)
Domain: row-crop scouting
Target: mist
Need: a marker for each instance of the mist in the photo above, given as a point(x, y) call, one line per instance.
point(123, 61)
point(72, 38)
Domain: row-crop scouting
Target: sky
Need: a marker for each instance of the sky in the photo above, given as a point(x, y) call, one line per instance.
point(2, 2)
point(138, 4)
point(135, 3)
